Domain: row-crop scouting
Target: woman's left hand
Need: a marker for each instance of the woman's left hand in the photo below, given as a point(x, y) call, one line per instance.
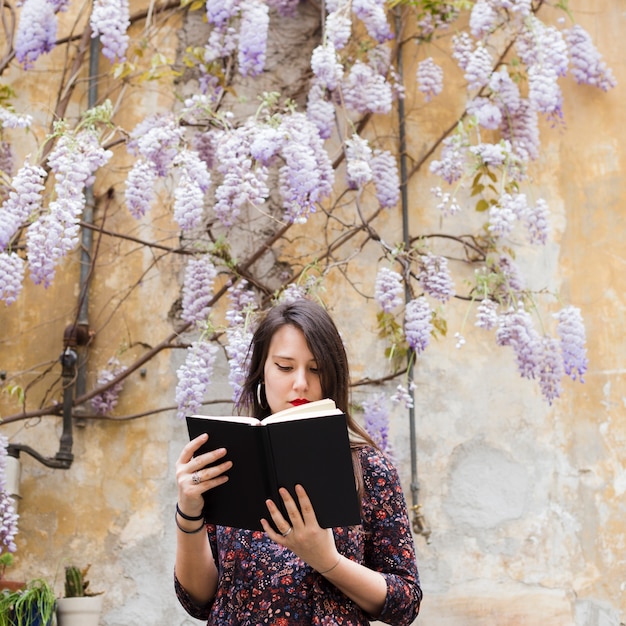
point(304, 536)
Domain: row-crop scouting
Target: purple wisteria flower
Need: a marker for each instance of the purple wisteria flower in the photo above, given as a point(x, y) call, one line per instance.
point(307, 175)
point(253, 37)
point(8, 516)
point(265, 143)
point(200, 274)
point(366, 91)
point(483, 19)
point(374, 16)
point(519, 7)
point(11, 276)
point(434, 277)
point(512, 282)
point(242, 303)
point(537, 222)
point(157, 139)
point(24, 200)
point(9, 119)
point(222, 43)
point(429, 78)
point(479, 67)
point(541, 45)
point(462, 49)
point(418, 324)
point(376, 421)
point(487, 314)
point(571, 330)
point(504, 214)
point(388, 289)
point(448, 204)
point(285, 8)
point(320, 111)
point(338, 28)
point(194, 377)
point(358, 162)
point(544, 91)
point(492, 154)
point(36, 32)
point(105, 402)
point(404, 396)
point(292, 293)
point(110, 20)
point(588, 68)
point(386, 178)
point(515, 329)
point(326, 66)
point(451, 167)
point(73, 160)
point(505, 91)
point(139, 191)
point(194, 182)
point(237, 350)
point(488, 114)
point(522, 130)
point(221, 11)
point(550, 369)
point(242, 182)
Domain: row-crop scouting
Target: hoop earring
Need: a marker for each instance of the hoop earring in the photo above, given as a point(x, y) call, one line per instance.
point(259, 395)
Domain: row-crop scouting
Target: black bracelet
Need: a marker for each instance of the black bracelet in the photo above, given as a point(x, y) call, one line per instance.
point(187, 532)
point(189, 518)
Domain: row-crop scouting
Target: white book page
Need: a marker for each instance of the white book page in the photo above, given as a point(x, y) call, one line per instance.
point(319, 408)
point(237, 419)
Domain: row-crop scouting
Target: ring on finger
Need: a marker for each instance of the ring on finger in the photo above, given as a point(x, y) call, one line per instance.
point(195, 478)
point(287, 532)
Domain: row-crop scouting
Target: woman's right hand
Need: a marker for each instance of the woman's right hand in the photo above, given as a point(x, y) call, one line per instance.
point(194, 477)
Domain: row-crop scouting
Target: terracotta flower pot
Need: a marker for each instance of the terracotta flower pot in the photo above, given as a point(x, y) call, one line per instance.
point(11, 585)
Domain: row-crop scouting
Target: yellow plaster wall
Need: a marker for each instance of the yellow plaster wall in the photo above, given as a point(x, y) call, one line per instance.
point(559, 562)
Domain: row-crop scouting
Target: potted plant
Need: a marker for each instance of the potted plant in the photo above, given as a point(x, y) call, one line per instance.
point(79, 607)
point(31, 606)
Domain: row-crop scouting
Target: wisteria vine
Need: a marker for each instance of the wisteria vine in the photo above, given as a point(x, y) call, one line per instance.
point(282, 162)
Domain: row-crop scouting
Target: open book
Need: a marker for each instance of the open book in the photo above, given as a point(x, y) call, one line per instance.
point(306, 445)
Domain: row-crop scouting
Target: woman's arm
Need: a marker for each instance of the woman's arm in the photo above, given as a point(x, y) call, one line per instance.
point(386, 585)
point(196, 570)
point(316, 546)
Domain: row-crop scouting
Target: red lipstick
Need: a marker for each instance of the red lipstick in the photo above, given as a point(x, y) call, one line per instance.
point(299, 401)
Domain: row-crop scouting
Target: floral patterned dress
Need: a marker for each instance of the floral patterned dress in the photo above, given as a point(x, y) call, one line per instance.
point(261, 582)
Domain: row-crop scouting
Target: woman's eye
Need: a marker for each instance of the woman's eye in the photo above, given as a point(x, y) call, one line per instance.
point(283, 368)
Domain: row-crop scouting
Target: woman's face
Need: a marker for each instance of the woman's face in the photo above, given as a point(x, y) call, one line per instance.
point(290, 371)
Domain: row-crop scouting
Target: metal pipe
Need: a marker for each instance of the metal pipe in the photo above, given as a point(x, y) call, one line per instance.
point(74, 367)
point(418, 522)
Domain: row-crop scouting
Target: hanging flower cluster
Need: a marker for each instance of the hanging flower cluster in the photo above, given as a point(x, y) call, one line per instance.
point(8, 516)
point(105, 402)
point(220, 168)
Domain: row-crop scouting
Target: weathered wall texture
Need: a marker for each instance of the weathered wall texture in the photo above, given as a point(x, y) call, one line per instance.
point(524, 502)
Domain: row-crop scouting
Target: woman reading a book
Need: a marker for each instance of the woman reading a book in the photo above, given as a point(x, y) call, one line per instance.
point(294, 571)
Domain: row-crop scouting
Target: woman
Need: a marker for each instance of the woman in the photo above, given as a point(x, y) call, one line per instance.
point(303, 574)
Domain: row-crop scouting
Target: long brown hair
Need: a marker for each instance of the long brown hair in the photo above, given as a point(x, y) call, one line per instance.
point(326, 346)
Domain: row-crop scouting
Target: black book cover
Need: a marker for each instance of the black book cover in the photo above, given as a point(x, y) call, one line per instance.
point(311, 451)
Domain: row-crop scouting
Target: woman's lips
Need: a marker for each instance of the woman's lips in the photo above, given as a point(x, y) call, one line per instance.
point(299, 401)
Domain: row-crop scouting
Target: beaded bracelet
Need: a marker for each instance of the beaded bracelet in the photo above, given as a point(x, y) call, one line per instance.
point(332, 568)
point(189, 518)
point(187, 532)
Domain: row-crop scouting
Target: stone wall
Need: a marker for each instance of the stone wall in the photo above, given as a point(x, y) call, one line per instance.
point(524, 502)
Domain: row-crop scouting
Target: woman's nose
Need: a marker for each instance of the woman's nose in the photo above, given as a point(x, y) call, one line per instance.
point(300, 381)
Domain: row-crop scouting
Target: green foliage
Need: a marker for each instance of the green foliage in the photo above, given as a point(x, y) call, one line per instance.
point(36, 600)
point(76, 583)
